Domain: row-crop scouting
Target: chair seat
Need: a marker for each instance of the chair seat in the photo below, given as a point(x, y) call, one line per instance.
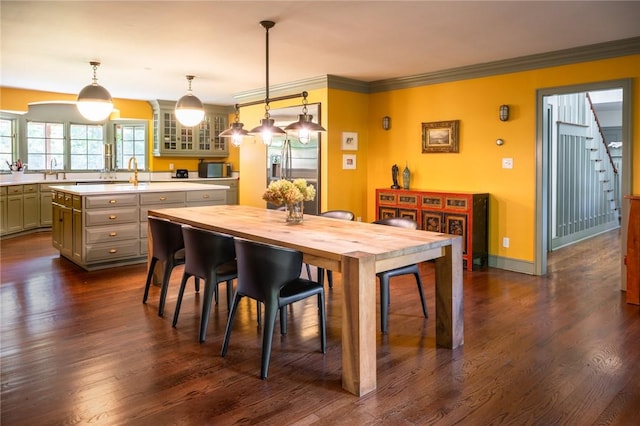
point(404, 270)
point(297, 290)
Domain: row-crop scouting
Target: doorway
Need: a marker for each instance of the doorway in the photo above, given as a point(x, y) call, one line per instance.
point(544, 165)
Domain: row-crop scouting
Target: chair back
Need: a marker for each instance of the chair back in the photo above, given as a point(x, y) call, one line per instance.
point(264, 269)
point(205, 250)
point(400, 222)
point(339, 214)
point(166, 236)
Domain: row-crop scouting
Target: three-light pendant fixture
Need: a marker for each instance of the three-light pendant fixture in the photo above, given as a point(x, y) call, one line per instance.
point(95, 104)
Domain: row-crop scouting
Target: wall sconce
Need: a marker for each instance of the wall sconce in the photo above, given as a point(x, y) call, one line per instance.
point(386, 122)
point(504, 112)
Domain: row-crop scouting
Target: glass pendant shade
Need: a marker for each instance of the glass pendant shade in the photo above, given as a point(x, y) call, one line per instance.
point(235, 132)
point(267, 129)
point(94, 101)
point(305, 126)
point(189, 110)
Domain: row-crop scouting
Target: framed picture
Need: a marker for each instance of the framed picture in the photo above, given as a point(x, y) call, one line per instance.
point(440, 136)
point(348, 161)
point(349, 141)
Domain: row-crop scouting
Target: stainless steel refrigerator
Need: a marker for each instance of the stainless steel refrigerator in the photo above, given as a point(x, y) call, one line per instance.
point(288, 158)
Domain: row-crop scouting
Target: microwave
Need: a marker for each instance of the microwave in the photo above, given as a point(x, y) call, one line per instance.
point(214, 169)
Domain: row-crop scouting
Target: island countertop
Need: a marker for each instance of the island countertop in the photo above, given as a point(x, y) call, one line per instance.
point(128, 188)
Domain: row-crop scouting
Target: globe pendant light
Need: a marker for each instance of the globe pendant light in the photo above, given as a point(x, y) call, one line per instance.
point(267, 128)
point(94, 101)
point(189, 110)
point(305, 126)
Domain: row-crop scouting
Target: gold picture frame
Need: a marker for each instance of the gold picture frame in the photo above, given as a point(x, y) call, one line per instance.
point(440, 136)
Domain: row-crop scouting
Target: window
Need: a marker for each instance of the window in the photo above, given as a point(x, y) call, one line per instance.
point(131, 141)
point(86, 144)
point(45, 145)
point(7, 137)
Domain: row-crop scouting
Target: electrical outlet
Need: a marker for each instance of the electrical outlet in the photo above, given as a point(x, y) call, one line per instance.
point(505, 242)
point(170, 166)
point(507, 163)
point(359, 219)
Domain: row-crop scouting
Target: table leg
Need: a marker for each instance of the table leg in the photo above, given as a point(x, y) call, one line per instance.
point(359, 323)
point(449, 297)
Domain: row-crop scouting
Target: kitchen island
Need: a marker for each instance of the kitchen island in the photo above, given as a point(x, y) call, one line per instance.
point(105, 225)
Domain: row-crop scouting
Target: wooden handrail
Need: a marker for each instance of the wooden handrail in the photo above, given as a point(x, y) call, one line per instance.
point(604, 142)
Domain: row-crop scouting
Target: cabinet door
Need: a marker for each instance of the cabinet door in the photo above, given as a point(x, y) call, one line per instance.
point(45, 209)
point(76, 243)
point(56, 225)
point(456, 224)
point(14, 213)
point(66, 231)
point(31, 208)
point(432, 221)
point(3, 214)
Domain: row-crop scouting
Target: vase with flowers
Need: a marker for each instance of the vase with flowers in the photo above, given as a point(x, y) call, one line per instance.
point(292, 195)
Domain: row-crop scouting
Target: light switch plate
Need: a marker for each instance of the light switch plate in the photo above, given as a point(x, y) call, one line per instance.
point(507, 163)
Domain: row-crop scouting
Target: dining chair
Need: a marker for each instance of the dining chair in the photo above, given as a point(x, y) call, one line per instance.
point(271, 275)
point(385, 276)
point(210, 256)
point(167, 248)
point(336, 214)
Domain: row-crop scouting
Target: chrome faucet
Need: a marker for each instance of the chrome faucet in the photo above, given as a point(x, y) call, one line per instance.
point(134, 180)
point(53, 163)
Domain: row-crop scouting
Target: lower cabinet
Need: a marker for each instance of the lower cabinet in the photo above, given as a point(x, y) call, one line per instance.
point(99, 231)
point(458, 213)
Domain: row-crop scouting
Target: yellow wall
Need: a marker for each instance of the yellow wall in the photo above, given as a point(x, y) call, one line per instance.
point(477, 167)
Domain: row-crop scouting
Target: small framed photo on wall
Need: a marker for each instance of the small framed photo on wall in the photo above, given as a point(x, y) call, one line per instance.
point(348, 161)
point(349, 141)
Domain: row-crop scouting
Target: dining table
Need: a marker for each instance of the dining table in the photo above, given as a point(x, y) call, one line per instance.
point(357, 250)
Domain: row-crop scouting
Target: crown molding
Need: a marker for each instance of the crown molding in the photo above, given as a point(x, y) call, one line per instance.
point(612, 49)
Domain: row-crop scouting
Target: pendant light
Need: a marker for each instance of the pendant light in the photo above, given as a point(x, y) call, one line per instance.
point(305, 126)
point(235, 132)
point(267, 128)
point(189, 110)
point(94, 101)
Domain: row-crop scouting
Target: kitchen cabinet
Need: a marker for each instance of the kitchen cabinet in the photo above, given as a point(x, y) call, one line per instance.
point(3, 210)
point(170, 138)
point(232, 192)
point(458, 213)
point(30, 207)
point(96, 226)
point(15, 206)
point(45, 205)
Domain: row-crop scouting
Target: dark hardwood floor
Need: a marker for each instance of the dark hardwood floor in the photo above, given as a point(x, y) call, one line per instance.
point(79, 347)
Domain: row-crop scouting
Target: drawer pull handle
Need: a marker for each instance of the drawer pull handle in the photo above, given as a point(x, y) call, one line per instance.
point(113, 251)
point(113, 201)
point(113, 234)
point(113, 216)
point(163, 198)
point(205, 196)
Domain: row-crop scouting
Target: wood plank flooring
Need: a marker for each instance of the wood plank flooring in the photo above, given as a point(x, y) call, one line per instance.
point(79, 347)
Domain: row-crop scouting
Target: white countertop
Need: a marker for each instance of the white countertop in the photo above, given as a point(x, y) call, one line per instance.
point(123, 188)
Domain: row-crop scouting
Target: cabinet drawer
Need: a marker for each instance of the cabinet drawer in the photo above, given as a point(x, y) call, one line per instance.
point(457, 203)
point(407, 200)
point(387, 198)
point(14, 190)
point(432, 201)
point(3, 190)
point(117, 200)
point(30, 189)
point(117, 250)
point(103, 234)
point(162, 198)
point(109, 217)
point(213, 196)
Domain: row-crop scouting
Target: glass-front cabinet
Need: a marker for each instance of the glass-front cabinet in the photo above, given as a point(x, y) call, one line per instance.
point(170, 138)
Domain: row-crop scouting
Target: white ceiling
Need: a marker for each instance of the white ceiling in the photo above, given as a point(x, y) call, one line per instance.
point(147, 47)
